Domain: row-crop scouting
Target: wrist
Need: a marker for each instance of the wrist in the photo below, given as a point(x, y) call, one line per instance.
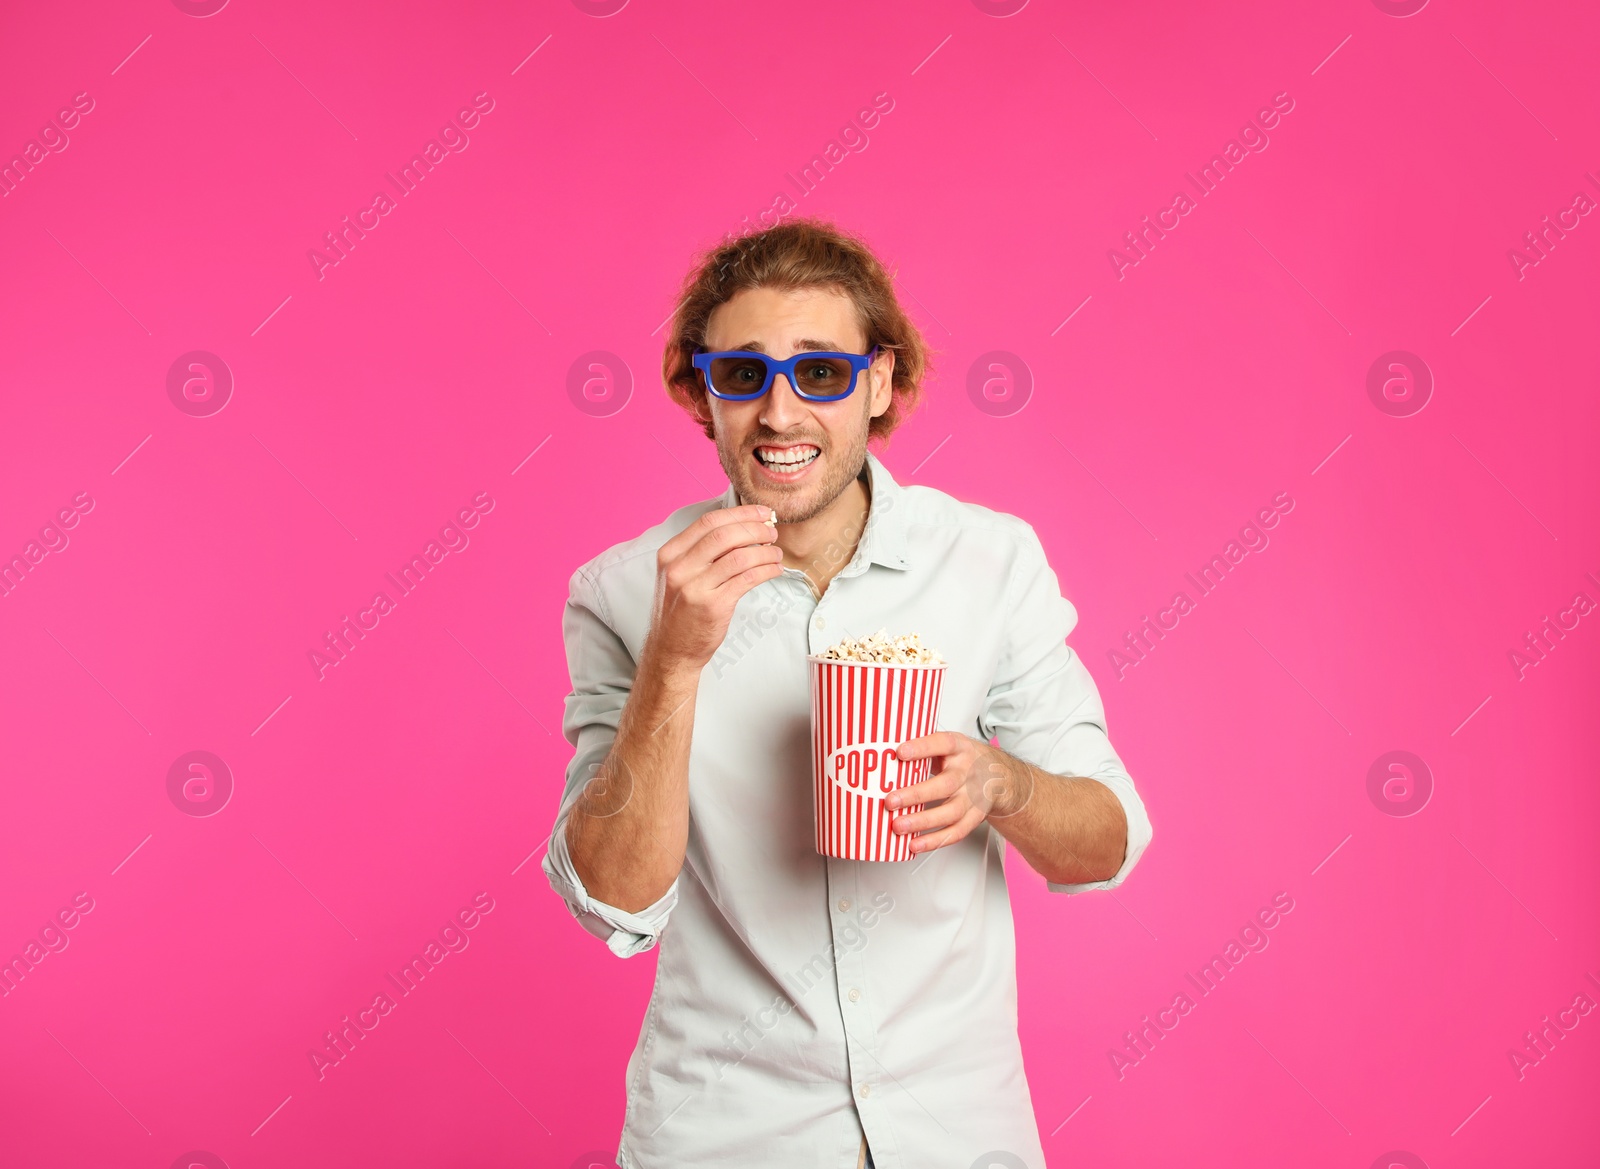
point(671, 671)
point(1008, 783)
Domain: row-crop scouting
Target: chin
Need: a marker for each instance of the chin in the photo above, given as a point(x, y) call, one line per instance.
point(792, 503)
point(784, 478)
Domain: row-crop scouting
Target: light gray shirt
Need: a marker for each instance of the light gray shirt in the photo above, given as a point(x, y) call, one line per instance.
point(800, 1001)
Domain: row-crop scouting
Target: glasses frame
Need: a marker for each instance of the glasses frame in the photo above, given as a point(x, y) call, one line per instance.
point(774, 366)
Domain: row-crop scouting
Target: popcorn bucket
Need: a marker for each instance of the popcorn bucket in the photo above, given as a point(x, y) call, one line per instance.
point(860, 712)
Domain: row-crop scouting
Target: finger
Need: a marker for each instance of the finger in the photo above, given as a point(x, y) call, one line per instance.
point(931, 819)
point(750, 513)
point(947, 836)
point(937, 743)
point(941, 786)
point(736, 537)
point(709, 522)
point(730, 590)
point(730, 565)
point(687, 571)
point(718, 544)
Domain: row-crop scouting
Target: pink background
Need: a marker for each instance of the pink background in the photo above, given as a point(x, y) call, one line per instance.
point(431, 364)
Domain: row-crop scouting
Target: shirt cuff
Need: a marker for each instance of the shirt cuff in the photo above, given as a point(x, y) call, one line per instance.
point(625, 934)
point(1139, 834)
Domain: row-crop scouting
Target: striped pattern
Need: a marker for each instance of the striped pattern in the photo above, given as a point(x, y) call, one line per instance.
point(870, 708)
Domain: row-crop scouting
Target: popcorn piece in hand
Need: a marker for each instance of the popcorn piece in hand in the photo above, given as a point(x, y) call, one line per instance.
point(772, 518)
point(905, 650)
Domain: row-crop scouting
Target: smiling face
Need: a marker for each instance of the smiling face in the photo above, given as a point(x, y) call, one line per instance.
point(795, 456)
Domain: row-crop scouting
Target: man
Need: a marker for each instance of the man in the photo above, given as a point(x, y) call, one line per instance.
point(808, 1011)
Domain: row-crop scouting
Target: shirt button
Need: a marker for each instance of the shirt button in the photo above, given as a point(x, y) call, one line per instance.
point(844, 905)
point(855, 995)
point(864, 1090)
point(821, 623)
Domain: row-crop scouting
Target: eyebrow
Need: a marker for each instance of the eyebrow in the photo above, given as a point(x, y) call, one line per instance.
point(804, 345)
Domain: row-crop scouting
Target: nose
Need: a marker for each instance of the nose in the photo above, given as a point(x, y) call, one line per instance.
point(782, 408)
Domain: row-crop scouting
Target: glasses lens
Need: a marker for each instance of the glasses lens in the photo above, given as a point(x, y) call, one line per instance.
point(738, 377)
point(822, 376)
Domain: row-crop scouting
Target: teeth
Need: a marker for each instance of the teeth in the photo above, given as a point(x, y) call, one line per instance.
point(787, 460)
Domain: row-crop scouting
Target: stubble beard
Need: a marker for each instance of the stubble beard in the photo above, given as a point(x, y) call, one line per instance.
point(843, 468)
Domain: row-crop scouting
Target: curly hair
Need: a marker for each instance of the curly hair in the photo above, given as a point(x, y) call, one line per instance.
point(800, 253)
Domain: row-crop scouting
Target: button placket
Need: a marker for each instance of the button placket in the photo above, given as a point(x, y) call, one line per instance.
point(817, 628)
point(805, 597)
point(849, 971)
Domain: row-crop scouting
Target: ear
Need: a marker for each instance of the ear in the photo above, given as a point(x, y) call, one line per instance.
point(882, 374)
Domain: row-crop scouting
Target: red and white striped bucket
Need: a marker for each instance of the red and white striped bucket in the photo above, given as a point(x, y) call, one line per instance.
point(860, 712)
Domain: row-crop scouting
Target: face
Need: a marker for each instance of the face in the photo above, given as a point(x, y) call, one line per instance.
point(795, 456)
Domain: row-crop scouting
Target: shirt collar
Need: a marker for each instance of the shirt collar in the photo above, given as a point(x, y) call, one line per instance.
point(885, 539)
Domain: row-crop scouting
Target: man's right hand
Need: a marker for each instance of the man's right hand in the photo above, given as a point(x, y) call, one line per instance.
point(700, 575)
point(628, 832)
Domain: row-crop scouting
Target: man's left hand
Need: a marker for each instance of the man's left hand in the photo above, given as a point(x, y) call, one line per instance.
point(971, 782)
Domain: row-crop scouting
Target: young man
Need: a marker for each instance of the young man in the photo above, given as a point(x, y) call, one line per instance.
point(808, 1011)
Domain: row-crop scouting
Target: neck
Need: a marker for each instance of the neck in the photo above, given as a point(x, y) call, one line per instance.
point(824, 544)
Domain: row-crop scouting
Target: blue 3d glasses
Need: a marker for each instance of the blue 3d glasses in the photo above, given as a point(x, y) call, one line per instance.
point(739, 375)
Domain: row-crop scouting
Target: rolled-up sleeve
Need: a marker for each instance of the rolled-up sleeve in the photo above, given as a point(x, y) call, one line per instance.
point(1043, 705)
point(602, 672)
